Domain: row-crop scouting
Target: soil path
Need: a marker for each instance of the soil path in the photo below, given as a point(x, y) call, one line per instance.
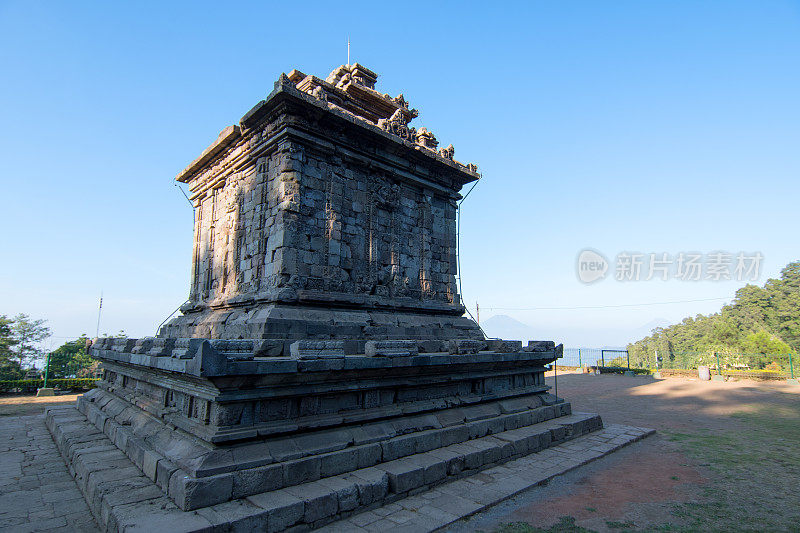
point(32, 405)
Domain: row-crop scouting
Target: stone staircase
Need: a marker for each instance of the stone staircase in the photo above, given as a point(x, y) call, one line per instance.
point(123, 498)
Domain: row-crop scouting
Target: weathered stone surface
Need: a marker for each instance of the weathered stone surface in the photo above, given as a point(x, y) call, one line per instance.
point(123, 345)
point(539, 346)
point(372, 484)
point(503, 346)
point(284, 509)
point(346, 492)
point(466, 346)
point(404, 475)
point(268, 348)
point(192, 493)
point(398, 348)
point(160, 347)
point(309, 349)
point(142, 345)
point(255, 480)
point(319, 501)
point(431, 346)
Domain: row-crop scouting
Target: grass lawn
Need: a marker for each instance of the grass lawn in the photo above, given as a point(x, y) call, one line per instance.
point(755, 469)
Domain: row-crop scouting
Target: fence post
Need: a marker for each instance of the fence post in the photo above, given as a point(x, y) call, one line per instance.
point(791, 366)
point(719, 369)
point(580, 363)
point(602, 358)
point(555, 376)
point(628, 355)
point(46, 370)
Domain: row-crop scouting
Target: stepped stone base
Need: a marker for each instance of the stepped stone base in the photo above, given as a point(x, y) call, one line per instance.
point(123, 498)
point(235, 434)
point(211, 421)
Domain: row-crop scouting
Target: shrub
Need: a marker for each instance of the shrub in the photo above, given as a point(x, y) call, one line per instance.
point(623, 369)
point(31, 385)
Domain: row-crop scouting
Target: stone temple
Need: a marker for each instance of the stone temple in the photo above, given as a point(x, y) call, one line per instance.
point(323, 215)
point(322, 364)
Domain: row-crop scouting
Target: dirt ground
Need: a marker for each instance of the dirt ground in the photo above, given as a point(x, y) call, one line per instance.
point(31, 405)
point(726, 457)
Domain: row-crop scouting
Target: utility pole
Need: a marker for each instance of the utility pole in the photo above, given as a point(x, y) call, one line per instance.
point(46, 370)
point(46, 391)
point(99, 310)
point(478, 312)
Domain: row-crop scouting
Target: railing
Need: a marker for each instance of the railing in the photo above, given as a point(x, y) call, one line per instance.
point(601, 357)
point(726, 364)
point(731, 364)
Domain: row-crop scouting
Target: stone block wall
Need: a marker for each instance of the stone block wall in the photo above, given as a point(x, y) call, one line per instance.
point(308, 221)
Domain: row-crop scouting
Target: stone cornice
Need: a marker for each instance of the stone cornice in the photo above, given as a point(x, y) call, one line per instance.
point(286, 90)
point(225, 138)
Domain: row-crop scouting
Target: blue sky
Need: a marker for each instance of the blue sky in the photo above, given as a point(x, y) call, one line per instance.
point(620, 126)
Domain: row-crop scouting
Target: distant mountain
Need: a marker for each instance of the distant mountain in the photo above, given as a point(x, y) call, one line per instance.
point(505, 327)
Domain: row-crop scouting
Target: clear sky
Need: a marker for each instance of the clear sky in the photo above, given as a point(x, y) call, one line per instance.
point(660, 127)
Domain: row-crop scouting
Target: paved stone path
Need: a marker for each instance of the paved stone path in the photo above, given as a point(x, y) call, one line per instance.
point(37, 493)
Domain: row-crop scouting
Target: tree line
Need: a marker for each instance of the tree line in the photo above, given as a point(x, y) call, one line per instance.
point(21, 339)
point(760, 326)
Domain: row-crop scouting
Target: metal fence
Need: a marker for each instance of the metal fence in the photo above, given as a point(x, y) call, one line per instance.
point(730, 364)
point(726, 364)
point(595, 357)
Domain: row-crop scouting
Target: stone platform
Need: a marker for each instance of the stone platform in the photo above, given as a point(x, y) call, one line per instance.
point(208, 423)
point(413, 494)
point(214, 420)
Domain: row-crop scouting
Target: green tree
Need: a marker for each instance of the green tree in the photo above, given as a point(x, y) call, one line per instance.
point(763, 321)
point(71, 360)
point(9, 366)
point(27, 333)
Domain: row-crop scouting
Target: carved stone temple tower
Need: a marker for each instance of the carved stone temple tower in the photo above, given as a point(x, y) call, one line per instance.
point(322, 364)
point(324, 215)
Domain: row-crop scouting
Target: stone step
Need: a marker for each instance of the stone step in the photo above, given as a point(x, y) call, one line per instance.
point(210, 477)
point(456, 500)
point(123, 499)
